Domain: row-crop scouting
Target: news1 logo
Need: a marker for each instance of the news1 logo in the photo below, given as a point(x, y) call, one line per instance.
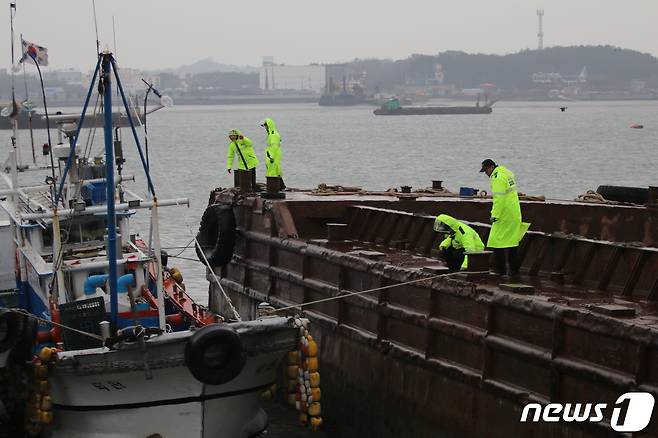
point(630, 413)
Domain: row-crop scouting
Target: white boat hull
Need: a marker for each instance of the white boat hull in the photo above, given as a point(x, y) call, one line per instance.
point(107, 394)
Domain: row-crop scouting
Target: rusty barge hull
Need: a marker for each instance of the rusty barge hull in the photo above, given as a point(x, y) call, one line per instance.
point(457, 355)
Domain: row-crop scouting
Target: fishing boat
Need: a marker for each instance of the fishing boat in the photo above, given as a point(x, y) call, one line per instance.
point(100, 337)
point(393, 108)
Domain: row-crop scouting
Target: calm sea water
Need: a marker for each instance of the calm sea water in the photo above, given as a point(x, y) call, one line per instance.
point(553, 153)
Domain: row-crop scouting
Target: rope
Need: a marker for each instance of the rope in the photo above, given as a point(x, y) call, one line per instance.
point(205, 262)
point(56, 324)
point(377, 289)
point(179, 247)
point(186, 258)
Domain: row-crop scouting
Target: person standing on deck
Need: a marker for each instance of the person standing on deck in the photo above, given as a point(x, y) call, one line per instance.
point(459, 239)
point(273, 151)
point(507, 229)
point(242, 147)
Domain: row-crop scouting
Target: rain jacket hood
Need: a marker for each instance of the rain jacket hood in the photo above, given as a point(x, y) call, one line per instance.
point(243, 150)
point(270, 125)
point(461, 237)
point(450, 221)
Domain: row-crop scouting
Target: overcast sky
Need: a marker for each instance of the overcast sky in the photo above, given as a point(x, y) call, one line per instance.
point(154, 34)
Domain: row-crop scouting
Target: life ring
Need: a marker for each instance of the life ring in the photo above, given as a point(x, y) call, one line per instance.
point(11, 327)
point(216, 235)
point(24, 349)
point(214, 354)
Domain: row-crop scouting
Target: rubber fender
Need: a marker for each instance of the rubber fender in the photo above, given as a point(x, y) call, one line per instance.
point(11, 328)
point(214, 354)
point(24, 349)
point(216, 235)
point(636, 195)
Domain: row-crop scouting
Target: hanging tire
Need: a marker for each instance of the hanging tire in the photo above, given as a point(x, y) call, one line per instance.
point(216, 235)
point(11, 328)
point(214, 354)
point(636, 195)
point(24, 349)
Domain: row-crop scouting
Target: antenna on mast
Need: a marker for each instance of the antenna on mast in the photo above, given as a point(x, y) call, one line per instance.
point(540, 33)
point(98, 43)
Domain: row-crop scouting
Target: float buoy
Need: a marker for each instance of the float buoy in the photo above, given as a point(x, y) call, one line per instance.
point(637, 126)
point(214, 354)
point(216, 235)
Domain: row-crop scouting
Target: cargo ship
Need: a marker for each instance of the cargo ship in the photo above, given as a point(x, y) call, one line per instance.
point(407, 350)
point(393, 108)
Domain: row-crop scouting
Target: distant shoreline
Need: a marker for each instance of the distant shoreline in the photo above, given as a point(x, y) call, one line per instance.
point(258, 100)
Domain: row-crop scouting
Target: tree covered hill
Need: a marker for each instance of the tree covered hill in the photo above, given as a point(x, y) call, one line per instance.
point(607, 67)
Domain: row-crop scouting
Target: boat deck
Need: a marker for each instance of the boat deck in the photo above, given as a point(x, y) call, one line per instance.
point(581, 324)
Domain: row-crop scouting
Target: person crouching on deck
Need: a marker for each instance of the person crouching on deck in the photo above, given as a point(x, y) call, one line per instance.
point(242, 147)
point(273, 151)
point(459, 239)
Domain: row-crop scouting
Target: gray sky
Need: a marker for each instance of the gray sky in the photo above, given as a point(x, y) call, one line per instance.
point(167, 33)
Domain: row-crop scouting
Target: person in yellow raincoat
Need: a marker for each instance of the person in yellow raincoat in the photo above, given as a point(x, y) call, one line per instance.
point(273, 151)
point(242, 147)
point(507, 228)
point(459, 239)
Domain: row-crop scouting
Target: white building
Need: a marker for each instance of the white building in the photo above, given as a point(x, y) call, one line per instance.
point(292, 77)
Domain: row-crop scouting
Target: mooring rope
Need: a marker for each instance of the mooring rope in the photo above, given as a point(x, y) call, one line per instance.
point(212, 271)
point(56, 324)
point(377, 289)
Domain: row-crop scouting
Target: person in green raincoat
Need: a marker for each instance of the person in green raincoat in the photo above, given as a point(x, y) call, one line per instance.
point(459, 239)
point(242, 148)
point(507, 229)
point(273, 151)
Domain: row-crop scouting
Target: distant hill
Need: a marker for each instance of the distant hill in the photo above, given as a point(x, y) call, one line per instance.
point(208, 65)
point(607, 67)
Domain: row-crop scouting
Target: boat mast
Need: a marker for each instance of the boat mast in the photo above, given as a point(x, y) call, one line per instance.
point(14, 109)
point(106, 83)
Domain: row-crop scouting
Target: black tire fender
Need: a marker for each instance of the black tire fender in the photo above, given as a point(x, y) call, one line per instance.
point(11, 328)
point(24, 349)
point(216, 235)
point(214, 354)
point(635, 195)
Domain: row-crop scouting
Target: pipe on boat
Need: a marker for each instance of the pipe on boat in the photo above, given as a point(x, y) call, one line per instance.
point(94, 281)
point(124, 281)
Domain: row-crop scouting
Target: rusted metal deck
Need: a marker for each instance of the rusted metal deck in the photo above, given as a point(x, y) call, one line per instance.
point(461, 355)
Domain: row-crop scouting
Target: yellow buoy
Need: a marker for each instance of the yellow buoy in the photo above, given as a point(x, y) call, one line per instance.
point(46, 417)
point(44, 387)
point(303, 418)
point(316, 422)
point(46, 403)
point(40, 371)
point(312, 364)
point(176, 274)
point(314, 410)
point(314, 379)
point(312, 347)
point(293, 357)
point(293, 371)
point(316, 394)
point(46, 354)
